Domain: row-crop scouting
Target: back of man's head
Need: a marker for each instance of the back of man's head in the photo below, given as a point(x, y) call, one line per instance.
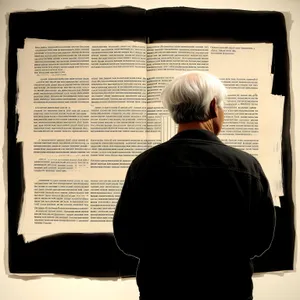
point(188, 96)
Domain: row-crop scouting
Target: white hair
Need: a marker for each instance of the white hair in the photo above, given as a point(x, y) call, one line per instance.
point(188, 96)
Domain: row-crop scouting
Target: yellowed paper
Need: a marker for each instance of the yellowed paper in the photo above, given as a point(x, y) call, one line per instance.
point(83, 119)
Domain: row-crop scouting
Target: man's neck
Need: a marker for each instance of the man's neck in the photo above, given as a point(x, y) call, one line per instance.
point(207, 125)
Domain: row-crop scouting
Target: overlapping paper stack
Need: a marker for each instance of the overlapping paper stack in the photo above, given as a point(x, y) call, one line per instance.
point(87, 108)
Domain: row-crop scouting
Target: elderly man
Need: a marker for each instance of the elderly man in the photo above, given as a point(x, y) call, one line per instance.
point(194, 211)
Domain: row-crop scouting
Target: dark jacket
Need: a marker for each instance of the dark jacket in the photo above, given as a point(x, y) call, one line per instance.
point(194, 211)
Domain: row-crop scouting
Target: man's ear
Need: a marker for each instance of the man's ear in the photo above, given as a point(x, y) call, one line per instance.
point(213, 108)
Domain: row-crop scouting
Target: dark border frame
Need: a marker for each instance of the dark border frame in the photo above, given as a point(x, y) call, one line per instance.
point(96, 255)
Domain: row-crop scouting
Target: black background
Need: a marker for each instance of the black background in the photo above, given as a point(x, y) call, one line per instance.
point(97, 254)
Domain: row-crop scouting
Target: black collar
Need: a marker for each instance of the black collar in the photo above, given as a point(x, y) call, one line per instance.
point(198, 134)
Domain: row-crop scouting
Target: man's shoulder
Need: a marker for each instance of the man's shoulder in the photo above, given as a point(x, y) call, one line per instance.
point(233, 158)
point(243, 159)
point(151, 152)
point(239, 153)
